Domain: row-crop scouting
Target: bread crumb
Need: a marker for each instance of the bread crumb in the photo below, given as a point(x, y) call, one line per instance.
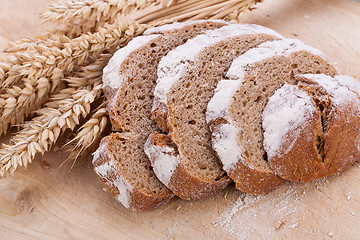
point(178, 208)
point(330, 234)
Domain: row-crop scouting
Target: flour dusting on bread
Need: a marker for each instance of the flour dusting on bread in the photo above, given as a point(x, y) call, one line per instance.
point(111, 75)
point(163, 162)
point(286, 111)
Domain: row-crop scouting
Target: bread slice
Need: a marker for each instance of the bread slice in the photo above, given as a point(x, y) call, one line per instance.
point(235, 111)
point(187, 77)
point(129, 81)
point(131, 182)
point(312, 129)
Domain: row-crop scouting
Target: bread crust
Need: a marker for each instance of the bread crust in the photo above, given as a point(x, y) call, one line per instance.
point(182, 183)
point(137, 199)
point(306, 159)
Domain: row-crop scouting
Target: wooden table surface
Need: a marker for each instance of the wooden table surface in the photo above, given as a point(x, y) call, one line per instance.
point(53, 203)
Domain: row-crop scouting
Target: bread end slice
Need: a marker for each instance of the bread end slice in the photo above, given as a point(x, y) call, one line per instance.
point(316, 133)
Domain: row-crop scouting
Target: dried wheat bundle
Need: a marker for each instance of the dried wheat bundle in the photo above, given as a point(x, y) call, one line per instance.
point(62, 70)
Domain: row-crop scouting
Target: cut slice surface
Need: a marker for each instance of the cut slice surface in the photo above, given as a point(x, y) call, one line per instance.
point(128, 82)
point(305, 147)
point(188, 76)
point(235, 111)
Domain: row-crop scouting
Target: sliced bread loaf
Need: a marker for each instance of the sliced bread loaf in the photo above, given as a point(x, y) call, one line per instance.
point(129, 81)
point(235, 111)
point(187, 77)
point(312, 129)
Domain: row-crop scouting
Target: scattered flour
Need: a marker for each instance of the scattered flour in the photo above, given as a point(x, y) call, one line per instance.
point(272, 212)
point(288, 210)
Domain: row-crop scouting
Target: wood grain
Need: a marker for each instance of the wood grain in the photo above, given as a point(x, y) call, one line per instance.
point(53, 203)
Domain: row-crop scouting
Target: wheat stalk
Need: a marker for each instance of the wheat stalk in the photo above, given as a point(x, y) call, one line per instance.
point(199, 9)
point(42, 76)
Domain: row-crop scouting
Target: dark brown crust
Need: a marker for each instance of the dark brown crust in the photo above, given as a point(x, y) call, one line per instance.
point(140, 201)
point(182, 183)
point(303, 162)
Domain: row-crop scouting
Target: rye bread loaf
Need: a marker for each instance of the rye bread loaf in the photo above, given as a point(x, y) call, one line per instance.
point(187, 77)
point(235, 111)
point(312, 128)
point(129, 81)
